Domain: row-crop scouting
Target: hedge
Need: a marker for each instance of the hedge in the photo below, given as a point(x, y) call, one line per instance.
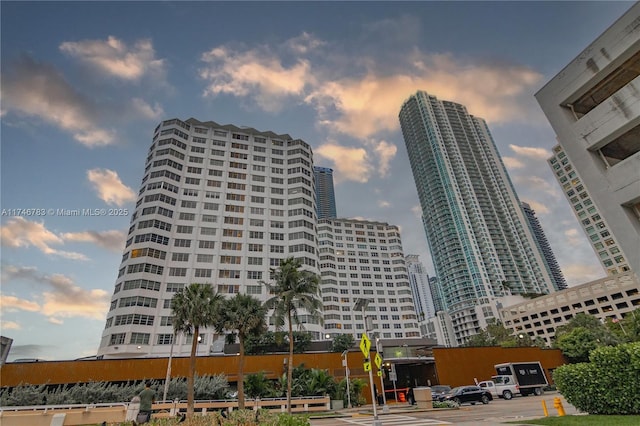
point(608, 384)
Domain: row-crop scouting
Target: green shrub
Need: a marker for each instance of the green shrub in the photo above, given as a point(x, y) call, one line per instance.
point(608, 384)
point(445, 404)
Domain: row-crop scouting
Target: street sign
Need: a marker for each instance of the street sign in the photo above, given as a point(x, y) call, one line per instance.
point(378, 360)
point(367, 365)
point(393, 376)
point(365, 345)
point(380, 373)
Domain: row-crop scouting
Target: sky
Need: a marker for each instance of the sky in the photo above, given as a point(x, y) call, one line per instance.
point(85, 83)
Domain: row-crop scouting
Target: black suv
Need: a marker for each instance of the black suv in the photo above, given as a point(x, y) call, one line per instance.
point(463, 394)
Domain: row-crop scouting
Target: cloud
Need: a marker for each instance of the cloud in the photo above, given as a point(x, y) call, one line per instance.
point(386, 152)
point(11, 325)
point(111, 240)
point(512, 163)
point(582, 272)
point(39, 90)
point(304, 43)
point(113, 57)
point(60, 298)
point(253, 72)
point(537, 184)
point(348, 163)
point(143, 109)
point(531, 152)
point(417, 210)
point(539, 208)
point(20, 232)
point(573, 237)
point(12, 303)
point(110, 188)
point(384, 204)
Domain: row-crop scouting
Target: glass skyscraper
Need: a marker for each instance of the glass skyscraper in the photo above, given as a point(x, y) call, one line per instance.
point(325, 196)
point(480, 242)
point(559, 282)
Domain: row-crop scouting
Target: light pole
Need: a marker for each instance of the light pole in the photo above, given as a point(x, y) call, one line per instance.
point(361, 305)
point(168, 377)
point(345, 363)
point(385, 408)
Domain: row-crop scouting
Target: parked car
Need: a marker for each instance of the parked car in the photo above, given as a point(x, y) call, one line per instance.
point(464, 394)
point(439, 390)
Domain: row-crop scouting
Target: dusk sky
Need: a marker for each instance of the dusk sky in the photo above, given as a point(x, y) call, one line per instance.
point(85, 83)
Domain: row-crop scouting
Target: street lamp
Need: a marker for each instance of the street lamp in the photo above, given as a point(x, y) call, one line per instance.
point(385, 408)
point(361, 305)
point(346, 372)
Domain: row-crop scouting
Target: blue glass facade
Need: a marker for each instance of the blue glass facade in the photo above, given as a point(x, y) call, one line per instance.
point(325, 196)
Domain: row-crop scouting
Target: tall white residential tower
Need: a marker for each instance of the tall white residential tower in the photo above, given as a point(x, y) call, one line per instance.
point(220, 205)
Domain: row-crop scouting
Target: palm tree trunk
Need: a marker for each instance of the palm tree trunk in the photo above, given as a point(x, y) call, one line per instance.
point(241, 375)
point(192, 373)
point(290, 365)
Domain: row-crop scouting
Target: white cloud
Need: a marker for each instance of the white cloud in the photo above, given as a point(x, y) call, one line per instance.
point(348, 163)
point(582, 272)
point(11, 325)
point(60, 296)
point(252, 72)
point(531, 152)
point(110, 240)
point(539, 208)
point(143, 109)
point(384, 204)
point(20, 232)
point(12, 303)
point(109, 187)
point(573, 237)
point(386, 152)
point(304, 43)
point(113, 57)
point(537, 184)
point(37, 89)
point(512, 163)
point(417, 210)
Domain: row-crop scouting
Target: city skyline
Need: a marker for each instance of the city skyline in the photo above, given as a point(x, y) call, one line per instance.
point(84, 84)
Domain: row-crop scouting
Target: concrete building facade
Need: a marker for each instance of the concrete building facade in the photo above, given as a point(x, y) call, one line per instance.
point(593, 105)
point(595, 226)
point(220, 205)
point(611, 297)
point(481, 245)
point(364, 260)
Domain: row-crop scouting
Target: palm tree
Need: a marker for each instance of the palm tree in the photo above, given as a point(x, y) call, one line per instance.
point(243, 316)
point(193, 308)
point(293, 288)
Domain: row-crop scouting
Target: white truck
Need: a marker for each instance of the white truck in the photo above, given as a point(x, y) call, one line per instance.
point(516, 378)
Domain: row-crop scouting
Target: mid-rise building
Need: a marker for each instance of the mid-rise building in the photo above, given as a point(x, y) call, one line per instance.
point(595, 226)
point(364, 260)
point(325, 195)
point(593, 105)
point(559, 283)
point(611, 297)
point(481, 245)
point(219, 205)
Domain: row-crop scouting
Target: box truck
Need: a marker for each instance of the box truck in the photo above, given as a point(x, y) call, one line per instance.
point(516, 378)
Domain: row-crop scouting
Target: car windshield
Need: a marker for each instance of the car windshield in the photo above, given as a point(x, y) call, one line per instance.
point(500, 380)
point(454, 390)
point(440, 388)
